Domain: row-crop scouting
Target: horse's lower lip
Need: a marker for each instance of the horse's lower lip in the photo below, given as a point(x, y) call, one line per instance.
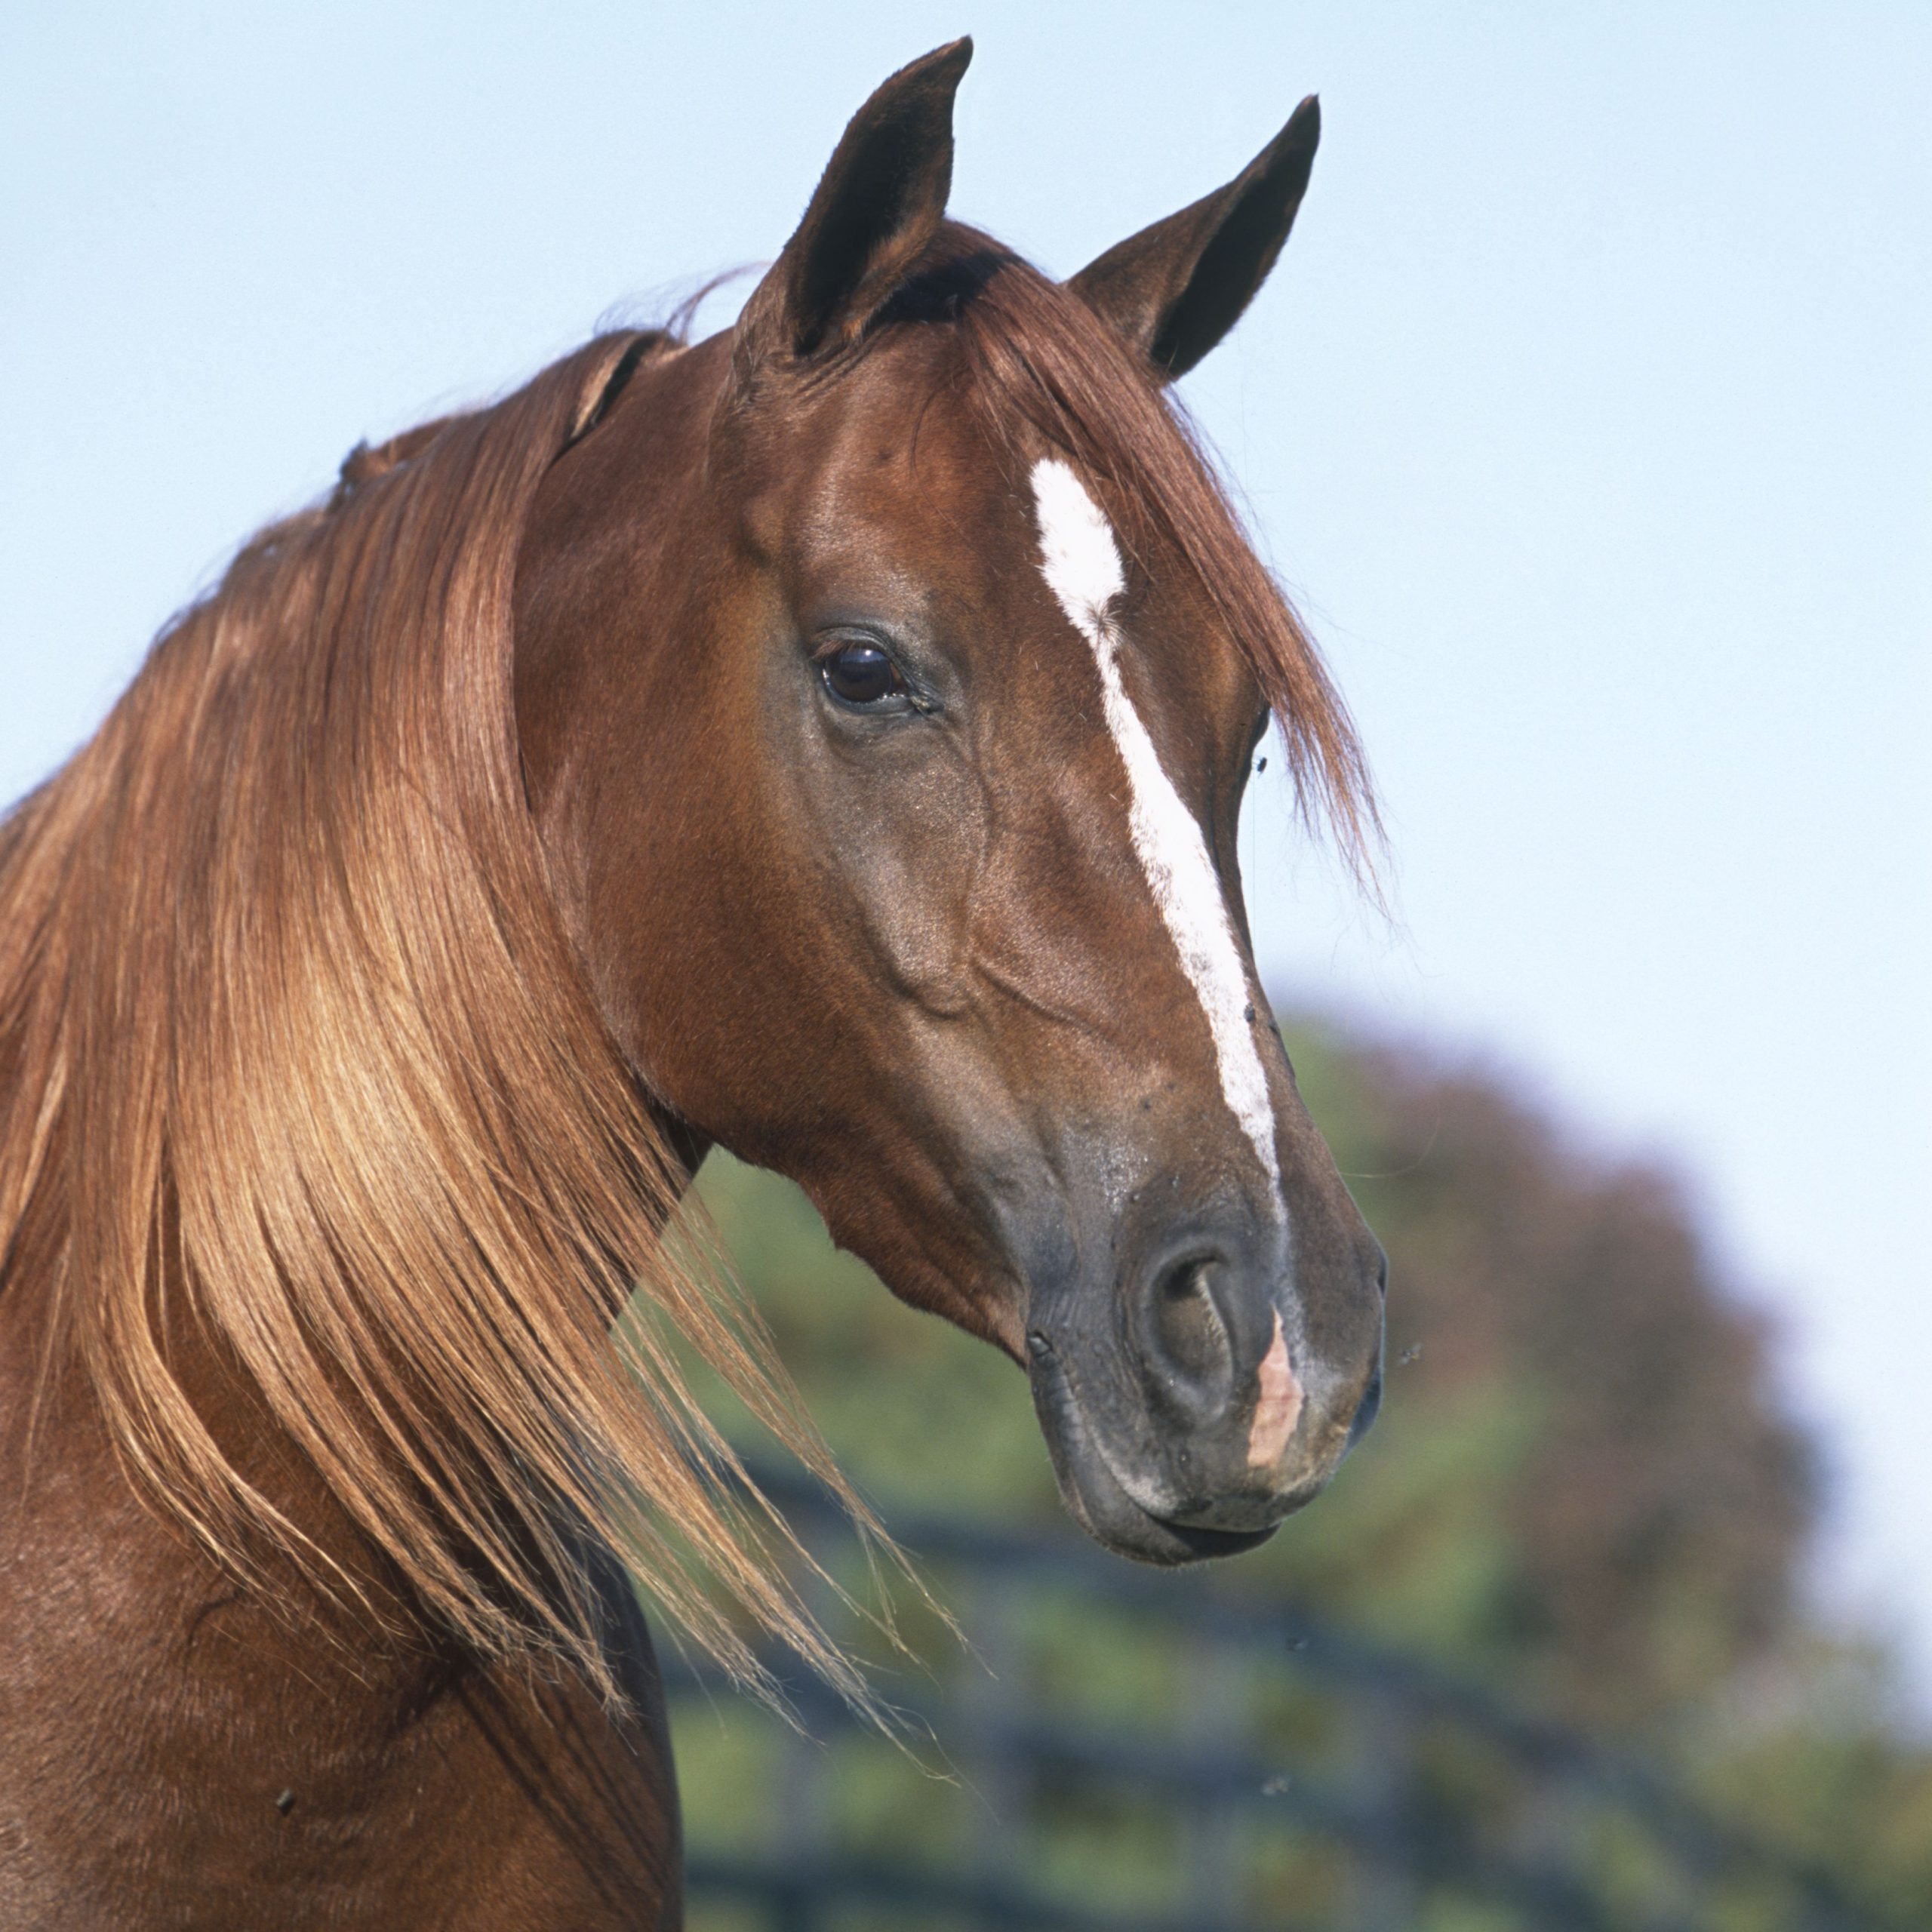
point(1209, 1543)
point(1117, 1522)
point(1099, 1501)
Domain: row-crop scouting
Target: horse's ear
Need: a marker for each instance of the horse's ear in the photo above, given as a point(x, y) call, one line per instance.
point(1174, 290)
point(882, 197)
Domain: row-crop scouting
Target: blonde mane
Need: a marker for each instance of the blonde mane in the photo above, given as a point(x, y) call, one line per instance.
point(294, 1051)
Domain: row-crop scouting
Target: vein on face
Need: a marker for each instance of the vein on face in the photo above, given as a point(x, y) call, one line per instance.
point(1080, 562)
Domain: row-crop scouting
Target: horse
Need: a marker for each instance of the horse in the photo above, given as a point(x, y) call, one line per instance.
point(824, 740)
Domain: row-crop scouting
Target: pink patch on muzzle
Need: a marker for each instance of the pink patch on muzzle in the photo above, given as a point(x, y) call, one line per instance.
point(1279, 1408)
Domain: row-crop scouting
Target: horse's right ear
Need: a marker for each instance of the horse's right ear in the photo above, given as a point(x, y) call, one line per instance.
point(882, 197)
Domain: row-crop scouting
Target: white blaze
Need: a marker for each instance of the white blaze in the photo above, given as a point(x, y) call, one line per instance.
point(1081, 565)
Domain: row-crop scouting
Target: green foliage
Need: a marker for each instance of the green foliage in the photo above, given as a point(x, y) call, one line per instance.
point(919, 1414)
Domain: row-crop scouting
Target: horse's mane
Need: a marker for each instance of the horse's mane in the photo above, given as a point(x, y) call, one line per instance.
point(292, 1045)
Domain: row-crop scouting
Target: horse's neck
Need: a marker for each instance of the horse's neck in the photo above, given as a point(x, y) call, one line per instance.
point(72, 1476)
point(172, 1741)
point(53, 1434)
point(68, 1494)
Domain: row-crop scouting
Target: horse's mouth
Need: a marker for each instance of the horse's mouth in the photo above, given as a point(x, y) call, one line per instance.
point(1100, 1501)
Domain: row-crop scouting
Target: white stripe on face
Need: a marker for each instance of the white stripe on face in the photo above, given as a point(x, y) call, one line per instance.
point(1081, 565)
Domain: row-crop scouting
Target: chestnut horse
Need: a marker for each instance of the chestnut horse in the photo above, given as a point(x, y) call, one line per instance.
point(825, 741)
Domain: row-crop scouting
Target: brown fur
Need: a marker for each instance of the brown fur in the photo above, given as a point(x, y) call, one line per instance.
point(296, 1055)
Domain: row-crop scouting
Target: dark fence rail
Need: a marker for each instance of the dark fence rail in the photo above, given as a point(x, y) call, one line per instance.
point(1526, 1852)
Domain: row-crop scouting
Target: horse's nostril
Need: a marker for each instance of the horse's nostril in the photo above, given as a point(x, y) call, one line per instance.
point(1188, 1331)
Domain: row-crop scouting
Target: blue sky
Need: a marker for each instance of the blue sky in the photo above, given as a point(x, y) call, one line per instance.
point(1588, 416)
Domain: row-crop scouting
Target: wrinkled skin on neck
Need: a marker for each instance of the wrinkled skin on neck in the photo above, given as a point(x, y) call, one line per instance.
point(911, 957)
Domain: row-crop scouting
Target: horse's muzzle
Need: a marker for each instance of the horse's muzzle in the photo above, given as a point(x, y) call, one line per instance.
point(1211, 1388)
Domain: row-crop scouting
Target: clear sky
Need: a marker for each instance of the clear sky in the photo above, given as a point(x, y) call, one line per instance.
point(1588, 416)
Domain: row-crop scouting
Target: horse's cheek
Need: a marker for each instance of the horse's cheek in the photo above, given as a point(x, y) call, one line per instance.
point(912, 881)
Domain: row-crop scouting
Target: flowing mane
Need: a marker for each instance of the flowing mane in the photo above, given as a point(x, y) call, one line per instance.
point(293, 1044)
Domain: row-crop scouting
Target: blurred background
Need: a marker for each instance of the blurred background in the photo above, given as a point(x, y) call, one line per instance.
point(1588, 418)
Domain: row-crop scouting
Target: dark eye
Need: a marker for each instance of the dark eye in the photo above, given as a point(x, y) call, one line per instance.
point(858, 672)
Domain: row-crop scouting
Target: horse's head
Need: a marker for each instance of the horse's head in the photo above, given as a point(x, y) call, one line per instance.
point(889, 672)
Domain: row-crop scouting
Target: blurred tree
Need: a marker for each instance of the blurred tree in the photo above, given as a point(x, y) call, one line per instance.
point(1583, 1487)
point(1581, 1477)
point(1649, 1499)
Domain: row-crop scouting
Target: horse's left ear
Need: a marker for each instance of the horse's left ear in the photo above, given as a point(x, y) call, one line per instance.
point(1174, 290)
point(881, 201)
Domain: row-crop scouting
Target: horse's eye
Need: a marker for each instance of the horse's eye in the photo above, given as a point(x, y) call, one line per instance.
point(860, 673)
